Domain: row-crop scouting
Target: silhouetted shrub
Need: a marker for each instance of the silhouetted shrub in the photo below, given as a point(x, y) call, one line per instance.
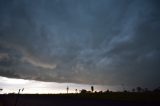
point(139, 89)
point(83, 91)
point(133, 90)
point(100, 92)
point(125, 91)
point(107, 91)
point(157, 90)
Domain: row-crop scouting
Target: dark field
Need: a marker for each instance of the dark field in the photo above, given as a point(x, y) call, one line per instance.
point(106, 99)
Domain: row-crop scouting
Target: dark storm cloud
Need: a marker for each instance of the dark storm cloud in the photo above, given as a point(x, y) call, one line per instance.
point(83, 41)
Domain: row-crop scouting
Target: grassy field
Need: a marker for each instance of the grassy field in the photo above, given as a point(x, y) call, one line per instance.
point(104, 99)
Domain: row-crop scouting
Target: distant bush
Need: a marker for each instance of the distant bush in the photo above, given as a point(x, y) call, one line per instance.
point(157, 90)
point(1, 89)
point(83, 91)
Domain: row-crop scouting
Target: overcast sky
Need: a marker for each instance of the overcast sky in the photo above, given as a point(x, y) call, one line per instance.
point(103, 42)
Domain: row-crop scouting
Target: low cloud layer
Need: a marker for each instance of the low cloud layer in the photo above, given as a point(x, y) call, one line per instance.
point(106, 42)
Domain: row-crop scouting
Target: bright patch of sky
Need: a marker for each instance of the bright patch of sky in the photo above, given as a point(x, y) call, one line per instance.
point(12, 85)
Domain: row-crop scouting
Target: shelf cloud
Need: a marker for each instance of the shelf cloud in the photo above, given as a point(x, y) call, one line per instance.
point(106, 42)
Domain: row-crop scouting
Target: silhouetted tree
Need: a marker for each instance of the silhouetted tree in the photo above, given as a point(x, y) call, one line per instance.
point(22, 89)
point(139, 89)
point(92, 88)
point(133, 90)
point(125, 91)
point(100, 92)
point(123, 87)
point(146, 90)
point(157, 89)
point(106, 91)
point(16, 102)
point(1, 89)
point(67, 89)
point(76, 90)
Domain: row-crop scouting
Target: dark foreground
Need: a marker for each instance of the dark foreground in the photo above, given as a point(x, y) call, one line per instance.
point(108, 99)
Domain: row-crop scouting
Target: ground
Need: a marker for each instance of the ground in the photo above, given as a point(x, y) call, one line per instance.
point(99, 99)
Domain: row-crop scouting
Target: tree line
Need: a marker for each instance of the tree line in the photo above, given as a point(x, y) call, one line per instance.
point(137, 89)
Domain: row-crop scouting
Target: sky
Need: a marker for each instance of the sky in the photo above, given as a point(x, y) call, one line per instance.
point(12, 85)
point(86, 42)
